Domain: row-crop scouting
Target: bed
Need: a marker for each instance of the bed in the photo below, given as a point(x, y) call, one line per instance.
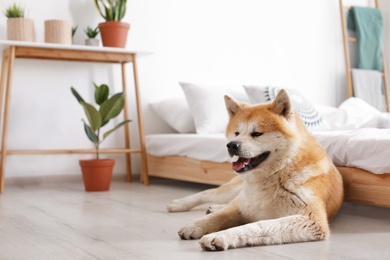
point(356, 136)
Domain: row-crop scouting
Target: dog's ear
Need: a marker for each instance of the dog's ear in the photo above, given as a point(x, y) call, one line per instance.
point(282, 104)
point(232, 106)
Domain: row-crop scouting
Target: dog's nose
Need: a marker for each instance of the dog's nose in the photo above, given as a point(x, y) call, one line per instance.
point(233, 147)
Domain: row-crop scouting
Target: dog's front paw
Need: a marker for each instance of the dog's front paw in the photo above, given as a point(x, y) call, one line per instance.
point(214, 242)
point(191, 231)
point(178, 205)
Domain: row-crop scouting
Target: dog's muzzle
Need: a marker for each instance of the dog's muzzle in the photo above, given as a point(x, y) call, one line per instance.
point(243, 164)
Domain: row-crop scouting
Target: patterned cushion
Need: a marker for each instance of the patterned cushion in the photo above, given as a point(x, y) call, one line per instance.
point(307, 112)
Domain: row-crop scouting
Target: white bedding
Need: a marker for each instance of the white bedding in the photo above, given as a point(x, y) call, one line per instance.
point(359, 137)
point(366, 148)
point(205, 147)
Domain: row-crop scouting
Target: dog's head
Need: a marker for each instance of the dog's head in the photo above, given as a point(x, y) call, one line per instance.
point(261, 137)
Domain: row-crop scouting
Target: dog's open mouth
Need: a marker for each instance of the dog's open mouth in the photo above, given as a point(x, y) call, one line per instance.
point(246, 164)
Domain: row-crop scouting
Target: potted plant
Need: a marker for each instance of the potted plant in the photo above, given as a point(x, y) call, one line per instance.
point(92, 33)
point(97, 173)
point(18, 27)
point(113, 32)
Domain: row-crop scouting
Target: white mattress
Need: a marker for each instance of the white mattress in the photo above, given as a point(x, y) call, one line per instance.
point(205, 147)
point(366, 148)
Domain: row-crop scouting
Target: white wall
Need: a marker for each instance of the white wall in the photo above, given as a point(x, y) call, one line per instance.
point(296, 44)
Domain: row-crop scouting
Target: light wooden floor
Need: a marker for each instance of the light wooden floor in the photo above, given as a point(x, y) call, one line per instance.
point(60, 221)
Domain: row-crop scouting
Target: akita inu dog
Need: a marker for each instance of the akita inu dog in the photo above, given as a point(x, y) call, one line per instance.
point(287, 188)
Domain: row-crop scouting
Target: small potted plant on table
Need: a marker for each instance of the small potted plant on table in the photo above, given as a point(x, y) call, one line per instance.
point(92, 33)
point(97, 173)
point(113, 32)
point(19, 28)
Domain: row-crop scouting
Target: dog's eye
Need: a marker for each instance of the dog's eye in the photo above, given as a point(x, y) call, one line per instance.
point(236, 133)
point(256, 134)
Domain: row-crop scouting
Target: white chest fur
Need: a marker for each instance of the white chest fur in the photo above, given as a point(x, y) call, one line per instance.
point(267, 199)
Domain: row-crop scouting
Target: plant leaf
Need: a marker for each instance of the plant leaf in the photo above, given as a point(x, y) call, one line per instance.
point(114, 10)
point(122, 9)
point(94, 117)
point(115, 128)
point(76, 94)
point(91, 134)
point(98, 6)
point(14, 11)
point(101, 93)
point(111, 107)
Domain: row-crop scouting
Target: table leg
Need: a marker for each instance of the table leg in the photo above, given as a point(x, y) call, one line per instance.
point(3, 78)
point(127, 129)
point(144, 168)
point(9, 64)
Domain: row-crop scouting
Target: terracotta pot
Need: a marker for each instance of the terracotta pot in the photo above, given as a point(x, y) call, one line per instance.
point(97, 174)
point(114, 34)
point(20, 29)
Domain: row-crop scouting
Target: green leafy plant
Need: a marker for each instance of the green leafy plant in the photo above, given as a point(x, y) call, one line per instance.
point(111, 10)
point(14, 11)
point(74, 29)
point(97, 118)
point(91, 33)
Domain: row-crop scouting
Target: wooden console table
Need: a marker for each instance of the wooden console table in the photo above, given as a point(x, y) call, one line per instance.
point(28, 50)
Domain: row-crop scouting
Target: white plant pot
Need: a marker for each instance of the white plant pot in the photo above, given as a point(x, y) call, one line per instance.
point(92, 42)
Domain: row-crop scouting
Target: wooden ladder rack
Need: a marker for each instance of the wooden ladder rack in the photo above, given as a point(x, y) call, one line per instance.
point(346, 40)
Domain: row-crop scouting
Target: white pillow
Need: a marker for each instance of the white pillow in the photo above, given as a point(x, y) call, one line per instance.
point(207, 105)
point(176, 113)
point(307, 112)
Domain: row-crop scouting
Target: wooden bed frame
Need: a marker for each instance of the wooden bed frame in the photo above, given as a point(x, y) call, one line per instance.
point(360, 186)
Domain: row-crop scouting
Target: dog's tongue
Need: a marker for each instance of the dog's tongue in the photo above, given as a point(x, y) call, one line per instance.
point(241, 162)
